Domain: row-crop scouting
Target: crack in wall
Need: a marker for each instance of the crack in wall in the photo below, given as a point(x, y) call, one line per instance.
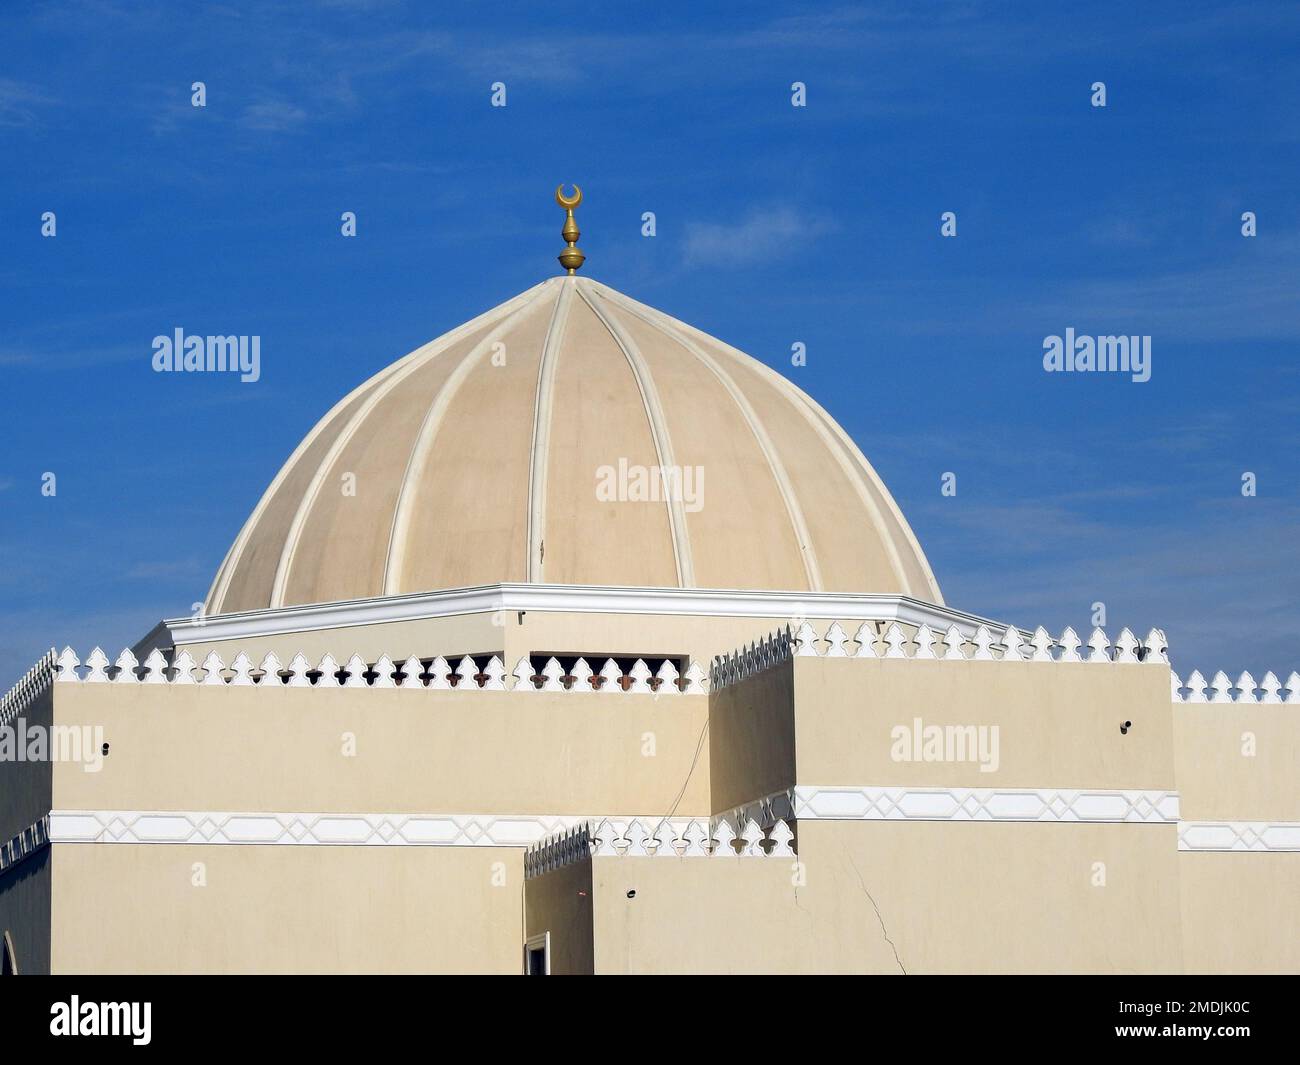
point(883, 929)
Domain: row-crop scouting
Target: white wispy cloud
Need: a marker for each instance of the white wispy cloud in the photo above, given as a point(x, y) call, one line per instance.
point(21, 102)
point(759, 235)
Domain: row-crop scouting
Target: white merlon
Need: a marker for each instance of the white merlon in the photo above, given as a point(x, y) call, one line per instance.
point(1243, 690)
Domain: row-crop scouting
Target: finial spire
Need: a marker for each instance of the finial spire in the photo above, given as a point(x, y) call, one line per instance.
point(571, 258)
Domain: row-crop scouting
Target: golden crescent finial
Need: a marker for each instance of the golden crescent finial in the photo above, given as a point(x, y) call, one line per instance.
point(571, 258)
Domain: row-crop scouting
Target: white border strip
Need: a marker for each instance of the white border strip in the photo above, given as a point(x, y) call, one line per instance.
point(1259, 836)
point(839, 803)
point(322, 829)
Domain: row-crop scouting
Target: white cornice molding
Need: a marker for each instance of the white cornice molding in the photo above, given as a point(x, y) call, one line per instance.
point(560, 598)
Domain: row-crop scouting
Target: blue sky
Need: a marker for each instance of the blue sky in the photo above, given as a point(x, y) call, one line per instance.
point(775, 224)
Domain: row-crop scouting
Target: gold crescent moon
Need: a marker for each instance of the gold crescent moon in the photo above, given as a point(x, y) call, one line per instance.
point(568, 202)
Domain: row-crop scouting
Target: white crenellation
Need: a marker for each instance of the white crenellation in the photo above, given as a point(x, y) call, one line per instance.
point(1221, 689)
point(413, 673)
point(1098, 647)
point(32, 684)
point(552, 676)
point(1156, 650)
point(329, 672)
point(98, 663)
point(125, 669)
point(440, 671)
point(242, 667)
point(1013, 645)
point(384, 670)
point(214, 669)
point(950, 645)
point(697, 681)
point(835, 640)
point(1042, 644)
point(769, 652)
point(1126, 648)
point(299, 667)
point(866, 640)
point(156, 668)
point(668, 678)
point(806, 639)
point(1070, 645)
point(355, 668)
point(924, 642)
point(611, 677)
point(953, 642)
point(670, 838)
point(270, 670)
point(183, 669)
point(895, 639)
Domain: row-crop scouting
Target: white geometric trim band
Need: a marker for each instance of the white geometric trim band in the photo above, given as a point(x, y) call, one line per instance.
point(1239, 836)
point(320, 829)
point(810, 803)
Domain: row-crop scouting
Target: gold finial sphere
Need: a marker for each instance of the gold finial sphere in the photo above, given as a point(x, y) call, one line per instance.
point(571, 258)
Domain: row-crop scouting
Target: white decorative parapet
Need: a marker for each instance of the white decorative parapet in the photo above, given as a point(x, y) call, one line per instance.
point(875, 640)
point(1239, 836)
point(695, 838)
point(1242, 690)
point(356, 672)
point(25, 692)
point(25, 844)
point(766, 653)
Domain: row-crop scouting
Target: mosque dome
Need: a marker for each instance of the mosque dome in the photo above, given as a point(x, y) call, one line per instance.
point(530, 444)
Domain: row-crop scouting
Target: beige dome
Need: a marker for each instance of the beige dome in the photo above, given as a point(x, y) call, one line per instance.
point(480, 459)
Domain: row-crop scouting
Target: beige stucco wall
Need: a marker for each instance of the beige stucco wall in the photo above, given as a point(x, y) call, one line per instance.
point(1219, 780)
point(560, 902)
point(752, 737)
point(245, 749)
point(888, 897)
point(1241, 912)
point(1059, 723)
point(296, 909)
point(698, 915)
point(947, 896)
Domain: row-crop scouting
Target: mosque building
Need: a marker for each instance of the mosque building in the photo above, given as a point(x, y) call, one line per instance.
point(578, 641)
